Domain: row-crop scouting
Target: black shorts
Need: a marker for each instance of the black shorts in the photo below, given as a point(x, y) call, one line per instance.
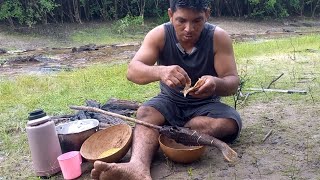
point(177, 114)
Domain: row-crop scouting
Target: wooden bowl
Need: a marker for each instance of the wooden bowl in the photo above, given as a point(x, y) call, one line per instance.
point(114, 137)
point(178, 152)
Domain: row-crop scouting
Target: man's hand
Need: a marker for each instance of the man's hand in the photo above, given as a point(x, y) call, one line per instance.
point(174, 76)
point(206, 89)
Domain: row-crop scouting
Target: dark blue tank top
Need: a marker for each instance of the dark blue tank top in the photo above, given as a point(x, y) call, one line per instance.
point(198, 63)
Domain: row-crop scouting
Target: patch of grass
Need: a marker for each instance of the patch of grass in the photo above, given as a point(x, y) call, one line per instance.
point(190, 172)
point(56, 92)
point(293, 170)
point(103, 35)
point(127, 29)
point(246, 50)
point(297, 58)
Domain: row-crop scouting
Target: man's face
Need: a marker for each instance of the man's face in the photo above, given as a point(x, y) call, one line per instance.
point(188, 23)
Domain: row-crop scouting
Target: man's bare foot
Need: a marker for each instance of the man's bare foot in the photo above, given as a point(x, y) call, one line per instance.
point(125, 171)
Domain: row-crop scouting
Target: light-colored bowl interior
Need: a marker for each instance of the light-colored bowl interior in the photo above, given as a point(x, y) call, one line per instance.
point(178, 152)
point(117, 136)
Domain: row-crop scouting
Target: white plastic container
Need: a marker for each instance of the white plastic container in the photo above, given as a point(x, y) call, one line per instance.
point(43, 143)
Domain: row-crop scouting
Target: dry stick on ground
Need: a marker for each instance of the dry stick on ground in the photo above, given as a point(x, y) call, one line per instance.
point(278, 90)
point(273, 81)
point(267, 135)
point(181, 135)
point(239, 94)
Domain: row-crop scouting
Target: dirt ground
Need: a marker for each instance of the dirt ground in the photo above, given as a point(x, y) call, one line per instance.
point(292, 151)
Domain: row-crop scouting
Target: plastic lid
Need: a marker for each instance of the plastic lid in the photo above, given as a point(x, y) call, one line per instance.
point(36, 114)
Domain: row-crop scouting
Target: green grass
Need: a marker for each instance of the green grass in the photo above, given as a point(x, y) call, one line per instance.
point(104, 35)
point(127, 29)
point(244, 50)
point(258, 63)
point(296, 57)
point(56, 92)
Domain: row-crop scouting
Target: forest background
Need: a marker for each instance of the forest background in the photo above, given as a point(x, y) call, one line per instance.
point(31, 12)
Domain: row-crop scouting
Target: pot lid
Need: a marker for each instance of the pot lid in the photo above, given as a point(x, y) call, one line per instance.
point(77, 126)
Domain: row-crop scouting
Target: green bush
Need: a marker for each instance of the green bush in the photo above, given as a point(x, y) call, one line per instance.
point(164, 18)
point(12, 9)
point(128, 24)
point(26, 12)
point(268, 8)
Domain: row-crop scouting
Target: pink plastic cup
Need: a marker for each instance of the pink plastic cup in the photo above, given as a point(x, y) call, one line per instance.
point(70, 164)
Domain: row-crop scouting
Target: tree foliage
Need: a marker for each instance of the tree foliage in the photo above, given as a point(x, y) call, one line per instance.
point(30, 12)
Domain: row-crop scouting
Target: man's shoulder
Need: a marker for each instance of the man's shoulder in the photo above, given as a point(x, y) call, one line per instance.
point(221, 38)
point(158, 29)
point(157, 32)
point(156, 36)
point(219, 31)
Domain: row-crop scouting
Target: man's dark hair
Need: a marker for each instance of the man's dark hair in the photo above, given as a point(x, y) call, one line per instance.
point(198, 5)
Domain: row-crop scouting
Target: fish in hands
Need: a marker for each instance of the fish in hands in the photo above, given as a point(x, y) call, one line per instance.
point(196, 86)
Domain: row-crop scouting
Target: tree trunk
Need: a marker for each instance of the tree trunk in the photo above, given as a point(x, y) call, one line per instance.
point(128, 6)
point(61, 11)
point(120, 12)
point(239, 8)
point(76, 11)
point(52, 17)
point(70, 11)
point(10, 20)
point(115, 16)
point(228, 6)
point(44, 18)
point(85, 10)
point(302, 7)
point(218, 7)
point(156, 2)
point(315, 8)
point(101, 10)
point(143, 5)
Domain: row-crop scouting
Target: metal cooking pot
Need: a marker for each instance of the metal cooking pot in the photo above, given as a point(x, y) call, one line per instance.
point(72, 134)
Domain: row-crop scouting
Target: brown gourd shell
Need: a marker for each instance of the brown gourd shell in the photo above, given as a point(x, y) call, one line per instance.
point(117, 136)
point(178, 152)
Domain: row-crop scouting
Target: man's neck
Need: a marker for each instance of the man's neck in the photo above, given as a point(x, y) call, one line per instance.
point(184, 51)
point(187, 47)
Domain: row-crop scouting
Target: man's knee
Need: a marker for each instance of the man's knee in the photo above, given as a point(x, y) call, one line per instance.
point(225, 129)
point(150, 115)
point(218, 127)
point(225, 124)
point(143, 111)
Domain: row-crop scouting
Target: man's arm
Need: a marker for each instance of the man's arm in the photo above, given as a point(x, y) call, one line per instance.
point(142, 68)
point(227, 81)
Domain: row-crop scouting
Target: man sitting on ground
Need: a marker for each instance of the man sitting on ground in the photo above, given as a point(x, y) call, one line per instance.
point(185, 49)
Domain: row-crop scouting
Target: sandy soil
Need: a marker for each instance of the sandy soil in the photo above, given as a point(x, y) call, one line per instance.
point(290, 152)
